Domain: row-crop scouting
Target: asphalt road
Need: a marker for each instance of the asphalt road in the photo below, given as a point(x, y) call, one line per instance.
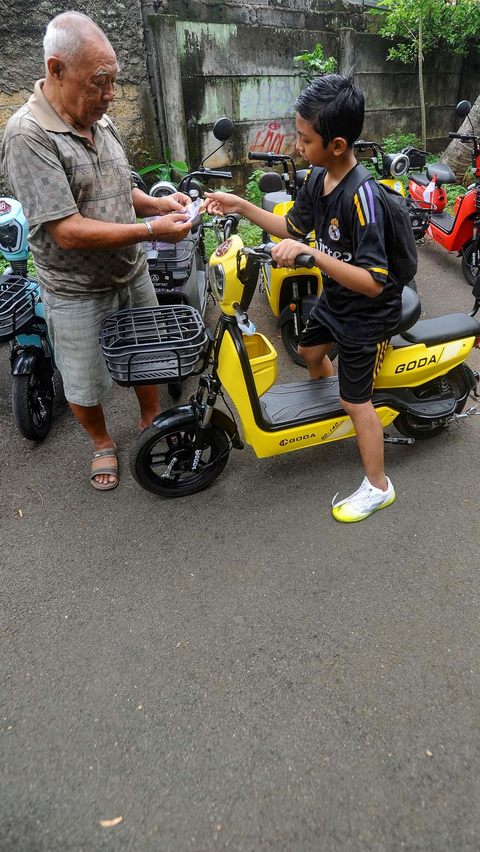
point(236, 670)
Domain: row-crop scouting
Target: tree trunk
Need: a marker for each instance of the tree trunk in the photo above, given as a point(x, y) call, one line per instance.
point(458, 155)
point(420, 84)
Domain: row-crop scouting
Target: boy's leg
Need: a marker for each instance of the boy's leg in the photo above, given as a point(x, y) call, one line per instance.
point(369, 432)
point(358, 368)
point(317, 360)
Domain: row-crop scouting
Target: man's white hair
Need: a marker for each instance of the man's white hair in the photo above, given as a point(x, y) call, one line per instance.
point(65, 35)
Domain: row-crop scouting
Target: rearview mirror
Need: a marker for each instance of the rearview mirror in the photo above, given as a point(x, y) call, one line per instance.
point(463, 108)
point(223, 129)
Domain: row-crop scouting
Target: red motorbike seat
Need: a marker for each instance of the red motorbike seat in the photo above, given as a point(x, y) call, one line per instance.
point(444, 174)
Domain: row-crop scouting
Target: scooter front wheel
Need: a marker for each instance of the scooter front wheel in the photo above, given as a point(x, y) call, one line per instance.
point(32, 406)
point(160, 458)
point(290, 342)
point(470, 272)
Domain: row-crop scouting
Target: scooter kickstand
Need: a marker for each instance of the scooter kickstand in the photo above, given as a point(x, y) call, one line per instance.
point(391, 439)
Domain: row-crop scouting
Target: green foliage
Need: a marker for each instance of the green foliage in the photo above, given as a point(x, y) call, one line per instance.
point(453, 191)
point(252, 189)
point(164, 171)
point(315, 64)
point(454, 24)
point(397, 140)
point(30, 267)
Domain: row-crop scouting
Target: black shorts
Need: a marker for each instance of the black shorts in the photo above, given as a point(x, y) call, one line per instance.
point(358, 363)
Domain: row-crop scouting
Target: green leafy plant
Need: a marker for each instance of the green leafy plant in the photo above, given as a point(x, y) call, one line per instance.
point(315, 64)
point(420, 27)
point(164, 171)
point(394, 142)
point(253, 192)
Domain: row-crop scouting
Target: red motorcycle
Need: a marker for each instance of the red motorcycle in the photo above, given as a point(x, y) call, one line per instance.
point(459, 232)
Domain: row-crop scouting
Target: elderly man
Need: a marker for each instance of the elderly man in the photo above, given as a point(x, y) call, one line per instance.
point(65, 163)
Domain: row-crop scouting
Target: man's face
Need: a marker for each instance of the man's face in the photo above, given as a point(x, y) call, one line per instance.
point(88, 84)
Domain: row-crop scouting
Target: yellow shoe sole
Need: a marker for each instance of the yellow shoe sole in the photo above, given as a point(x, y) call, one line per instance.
point(337, 512)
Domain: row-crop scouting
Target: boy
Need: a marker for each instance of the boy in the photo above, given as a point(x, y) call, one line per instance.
point(360, 304)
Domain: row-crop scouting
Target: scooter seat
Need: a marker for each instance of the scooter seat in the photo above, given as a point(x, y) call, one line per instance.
point(411, 310)
point(271, 199)
point(443, 329)
point(444, 174)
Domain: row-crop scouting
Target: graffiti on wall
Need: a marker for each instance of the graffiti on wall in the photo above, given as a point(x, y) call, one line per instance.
point(274, 137)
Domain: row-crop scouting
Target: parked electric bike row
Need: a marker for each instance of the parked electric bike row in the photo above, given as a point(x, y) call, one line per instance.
point(422, 387)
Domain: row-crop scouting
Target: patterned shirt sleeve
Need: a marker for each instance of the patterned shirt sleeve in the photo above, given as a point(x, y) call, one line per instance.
point(368, 232)
point(37, 176)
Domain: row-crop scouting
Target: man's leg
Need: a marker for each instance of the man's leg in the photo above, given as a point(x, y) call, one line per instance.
point(147, 396)
point(317, 360)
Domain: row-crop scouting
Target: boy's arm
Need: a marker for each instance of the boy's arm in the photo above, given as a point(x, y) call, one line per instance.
point(221, 203)
point(349, 276)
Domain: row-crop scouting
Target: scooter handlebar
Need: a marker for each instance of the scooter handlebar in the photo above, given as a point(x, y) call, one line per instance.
point(302, 261)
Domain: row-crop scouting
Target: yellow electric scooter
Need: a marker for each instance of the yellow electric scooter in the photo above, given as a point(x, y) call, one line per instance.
point(422, 386)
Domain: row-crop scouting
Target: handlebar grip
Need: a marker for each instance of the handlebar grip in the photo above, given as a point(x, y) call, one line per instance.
point(216, 174)
point(258, 155)
point(307, 261)
point(452, 135)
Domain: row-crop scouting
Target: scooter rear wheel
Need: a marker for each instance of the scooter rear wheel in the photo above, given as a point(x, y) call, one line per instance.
point(155, 449)
point(415, 427)
point(32, 407)
point(470, 272)
point(290, 342)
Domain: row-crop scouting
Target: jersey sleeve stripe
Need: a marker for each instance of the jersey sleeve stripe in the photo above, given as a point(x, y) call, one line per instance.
point(359, 209)
point(298, 231)
point(370, 200)
point(378, 269)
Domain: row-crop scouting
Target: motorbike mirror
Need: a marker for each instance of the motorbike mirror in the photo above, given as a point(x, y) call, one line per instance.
point(463, 108)
point(270, 182)
point(223, 129)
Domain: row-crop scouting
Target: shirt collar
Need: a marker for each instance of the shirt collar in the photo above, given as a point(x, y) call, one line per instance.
point(45, 114)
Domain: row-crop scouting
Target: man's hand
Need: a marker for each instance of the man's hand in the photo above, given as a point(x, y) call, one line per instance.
point(221, 203)
point(284, 253)
point(175, 203)
point(171, 228)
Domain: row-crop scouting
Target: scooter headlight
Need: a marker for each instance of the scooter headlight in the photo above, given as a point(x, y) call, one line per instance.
point(396, 164)
point(217, 280)
point(10, 237)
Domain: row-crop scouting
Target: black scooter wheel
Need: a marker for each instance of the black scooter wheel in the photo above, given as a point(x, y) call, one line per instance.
point(416, 427)
point(290, 342)
point(159, 458)
point(469, 272)
point(32, 407)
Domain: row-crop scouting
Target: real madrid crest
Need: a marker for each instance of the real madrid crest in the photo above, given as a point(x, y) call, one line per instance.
point(334, 231)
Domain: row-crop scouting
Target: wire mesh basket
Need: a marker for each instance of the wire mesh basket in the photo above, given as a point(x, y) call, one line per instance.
point(18, 296)
point(144, 346)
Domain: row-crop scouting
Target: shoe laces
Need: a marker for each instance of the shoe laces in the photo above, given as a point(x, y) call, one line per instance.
point(361, 497)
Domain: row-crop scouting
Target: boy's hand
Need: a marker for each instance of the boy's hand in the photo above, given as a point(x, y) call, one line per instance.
point(284, 253)
point(221, 203)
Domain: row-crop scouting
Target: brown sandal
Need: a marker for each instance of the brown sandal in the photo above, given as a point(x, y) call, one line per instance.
point(106, 470)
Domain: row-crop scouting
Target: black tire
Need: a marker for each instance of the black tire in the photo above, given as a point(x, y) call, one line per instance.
point(32, 414)
point(155, 448)
point(175, 389)
point(469, 272)
point(413, 427)
point(290, 342)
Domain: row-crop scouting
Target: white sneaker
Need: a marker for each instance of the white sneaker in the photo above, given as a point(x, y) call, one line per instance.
point(366, 500)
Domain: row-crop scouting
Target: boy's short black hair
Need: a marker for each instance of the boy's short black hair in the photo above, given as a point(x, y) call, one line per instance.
point(334, 106)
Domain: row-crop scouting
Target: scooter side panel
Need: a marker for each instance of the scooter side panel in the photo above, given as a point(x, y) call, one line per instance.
point(265, 443)
point(415, 365)
point(462, 230)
